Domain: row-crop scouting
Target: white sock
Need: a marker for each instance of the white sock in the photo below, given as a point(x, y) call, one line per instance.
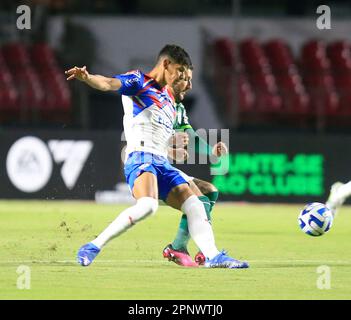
point(344, 192)
point(199, 227)
point(142, 209)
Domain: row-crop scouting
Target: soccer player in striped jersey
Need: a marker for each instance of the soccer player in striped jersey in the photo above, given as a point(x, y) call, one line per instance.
point(149, 115)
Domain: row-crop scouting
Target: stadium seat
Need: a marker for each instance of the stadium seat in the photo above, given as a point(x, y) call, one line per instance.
point(16, 55)
point(319, 81)
point(345, 103)
point(8, 91)
point(264, 81)
point(296, 103)
point(246, 95)
point(313, 49)
point(42, 55)
point(9, 103)
point(57, 99)
point(268, 102)
point(325, 102)
point(314, 57)
point(339, 53)
point(57, 102)
point(279, 55)
point(290, 82)
point(338, 49)
point(343, 81)
point(224, 50)
point(40, 85)
point(30, 89)
point(253, 56)
point(2, 60)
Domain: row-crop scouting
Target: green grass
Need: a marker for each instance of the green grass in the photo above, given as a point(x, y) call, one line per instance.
point(283, 261)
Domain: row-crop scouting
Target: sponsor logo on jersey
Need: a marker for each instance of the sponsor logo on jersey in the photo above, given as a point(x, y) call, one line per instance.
point(135, 72)
point(165, 123)
point(131, 81)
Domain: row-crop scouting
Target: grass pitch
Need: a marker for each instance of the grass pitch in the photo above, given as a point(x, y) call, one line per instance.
point(284, 263)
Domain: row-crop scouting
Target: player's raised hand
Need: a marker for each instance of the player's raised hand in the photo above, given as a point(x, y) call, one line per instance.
point(77, 73)
point(219, 149)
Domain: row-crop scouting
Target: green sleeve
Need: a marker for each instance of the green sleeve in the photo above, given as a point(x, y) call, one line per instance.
point(182, 120)
point(182, 124)
point(201, 146)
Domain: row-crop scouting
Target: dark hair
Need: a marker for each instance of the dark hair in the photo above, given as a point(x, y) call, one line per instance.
point(176, 54)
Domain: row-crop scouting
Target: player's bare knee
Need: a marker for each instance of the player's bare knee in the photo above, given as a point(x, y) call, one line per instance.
point(211, 188)
point(178, 195)
point(205, 187)
point(181, 189)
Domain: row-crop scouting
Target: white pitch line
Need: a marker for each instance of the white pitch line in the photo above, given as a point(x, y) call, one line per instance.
point(75, 261)
point(164, 261)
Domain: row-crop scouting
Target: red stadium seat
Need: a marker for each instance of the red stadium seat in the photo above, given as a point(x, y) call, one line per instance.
point(345, 103)
point(313, 49)
point(253, 56)
point(268, 102)
point(319, 84)
point(279, 55)
point(343, 81)
point(319, 81)
point(290, 82)
point(264, 82)
point(316, 65)
point(2, 60)
point(325, 102)
point(246, 95)
point(338, 48)
point(9, 103)
point(58, 96)
point(296, 103)
point(40, 85)
point(339, 53)
point(30, 89)
point(43, 56)
point(224, 50)
point(314, 57)
point(16, 55)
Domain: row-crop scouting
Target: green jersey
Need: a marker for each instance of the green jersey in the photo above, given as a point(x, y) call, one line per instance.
point(181, 123)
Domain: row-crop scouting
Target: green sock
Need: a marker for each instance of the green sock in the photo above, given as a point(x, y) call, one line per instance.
point(207, 204)
point(212, 196)
point(183, 236)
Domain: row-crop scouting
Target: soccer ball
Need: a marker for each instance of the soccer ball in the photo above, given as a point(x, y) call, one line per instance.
point(315, 219)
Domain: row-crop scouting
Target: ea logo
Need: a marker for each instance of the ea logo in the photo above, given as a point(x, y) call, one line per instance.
point(29, 164)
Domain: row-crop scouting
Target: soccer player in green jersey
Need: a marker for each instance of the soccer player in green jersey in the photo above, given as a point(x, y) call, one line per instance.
point(206, 192)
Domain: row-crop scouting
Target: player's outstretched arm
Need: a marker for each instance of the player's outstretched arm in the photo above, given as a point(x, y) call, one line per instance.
point(95, 81)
